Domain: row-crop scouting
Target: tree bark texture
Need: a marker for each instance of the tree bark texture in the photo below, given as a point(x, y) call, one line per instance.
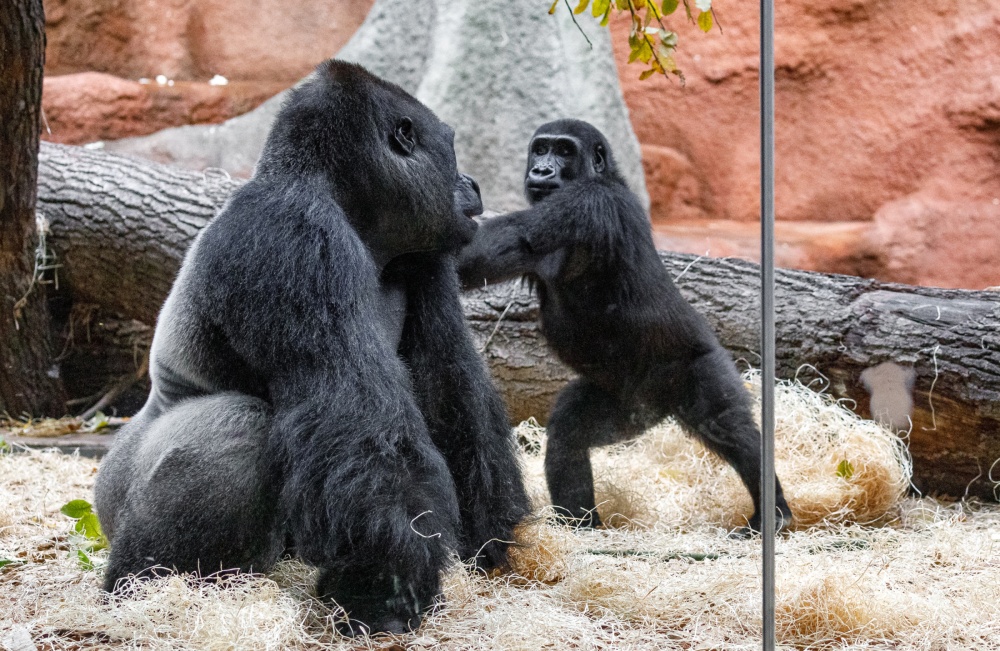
point(29, 383)
point(121, 228)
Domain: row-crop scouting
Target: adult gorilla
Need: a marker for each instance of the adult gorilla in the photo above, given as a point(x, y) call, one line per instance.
point(611, 312)
point(312, 375)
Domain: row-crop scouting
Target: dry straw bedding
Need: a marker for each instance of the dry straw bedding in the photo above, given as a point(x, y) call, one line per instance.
point(865, 568)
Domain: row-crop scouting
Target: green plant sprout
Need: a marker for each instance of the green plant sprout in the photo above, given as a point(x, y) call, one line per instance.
point(88, 526)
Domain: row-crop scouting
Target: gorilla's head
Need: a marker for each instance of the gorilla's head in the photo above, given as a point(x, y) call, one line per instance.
point(390, 162)
point(564, 152)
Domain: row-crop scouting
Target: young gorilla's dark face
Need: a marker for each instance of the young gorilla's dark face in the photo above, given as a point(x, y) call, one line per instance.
point(557, 157)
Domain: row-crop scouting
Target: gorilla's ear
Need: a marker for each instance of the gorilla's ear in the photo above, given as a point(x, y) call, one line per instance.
point(403, 135)
point(600, 161)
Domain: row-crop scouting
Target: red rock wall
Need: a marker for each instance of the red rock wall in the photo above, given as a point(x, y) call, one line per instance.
point(888, 133)
point(192, 40)
point(88, 106)
point(261, 47)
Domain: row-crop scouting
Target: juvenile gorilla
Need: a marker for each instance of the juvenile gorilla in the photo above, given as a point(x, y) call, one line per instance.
point(610, 311)
point(313, 380)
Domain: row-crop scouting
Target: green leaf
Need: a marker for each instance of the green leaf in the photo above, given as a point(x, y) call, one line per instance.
point(845, 469)
point(600, 7)
point(667, 59)
point(622, 5)
point(580, 8)
point(76, 509)
point(670, 6)
point(86, 564)
point(645, 52)
point(90, 527)
point(705, 20)
point(4, 562)
point(607, 17)
point(646, 74)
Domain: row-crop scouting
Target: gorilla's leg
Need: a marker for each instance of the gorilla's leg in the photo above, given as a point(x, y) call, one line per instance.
point(368, 499)
point(464, 413)
point(202, 496)
point(118, 468)
point(716, 408)
point(584, 416)
point(390, 577)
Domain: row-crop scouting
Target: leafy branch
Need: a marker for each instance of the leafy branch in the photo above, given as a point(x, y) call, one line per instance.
point(649, 39)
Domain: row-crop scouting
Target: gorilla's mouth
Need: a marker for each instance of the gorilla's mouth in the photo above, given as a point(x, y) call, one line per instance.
point(540, 190)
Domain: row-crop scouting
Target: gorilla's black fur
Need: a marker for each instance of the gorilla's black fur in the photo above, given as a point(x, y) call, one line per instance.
point(313, 379)
point(611, 312)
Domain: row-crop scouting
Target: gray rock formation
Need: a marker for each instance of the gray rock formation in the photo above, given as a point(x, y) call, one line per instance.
point(493, 69)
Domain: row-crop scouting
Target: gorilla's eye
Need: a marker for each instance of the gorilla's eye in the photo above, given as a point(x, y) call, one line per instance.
point(565, 150)
point(539, 149)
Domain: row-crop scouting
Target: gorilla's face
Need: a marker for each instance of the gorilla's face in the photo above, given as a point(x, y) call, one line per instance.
point(561, 153)
point(389, 160)
point(425, 145)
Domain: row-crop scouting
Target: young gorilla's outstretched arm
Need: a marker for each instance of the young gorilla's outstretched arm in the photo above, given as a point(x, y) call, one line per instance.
point(505, 247)
point(535, 240)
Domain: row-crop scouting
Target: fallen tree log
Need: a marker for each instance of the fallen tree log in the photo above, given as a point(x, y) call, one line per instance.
point(121, 227)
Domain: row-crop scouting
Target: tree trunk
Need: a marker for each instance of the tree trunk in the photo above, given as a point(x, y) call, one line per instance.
point(121, 228)
point(830, 328)
point(29, 383)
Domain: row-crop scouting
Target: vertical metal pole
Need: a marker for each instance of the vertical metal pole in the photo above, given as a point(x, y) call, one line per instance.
point(767, 315)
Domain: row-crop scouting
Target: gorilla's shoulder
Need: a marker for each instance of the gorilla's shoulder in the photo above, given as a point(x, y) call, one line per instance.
point(599, 207)
point(275, 209)
point(266, 218)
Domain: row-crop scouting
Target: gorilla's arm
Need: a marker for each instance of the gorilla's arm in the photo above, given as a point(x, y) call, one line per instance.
point(500, 250)
point(517, 243)
point(465, 415)
point(354, 454)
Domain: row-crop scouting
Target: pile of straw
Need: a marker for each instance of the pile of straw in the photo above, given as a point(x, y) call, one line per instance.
point(864, 568)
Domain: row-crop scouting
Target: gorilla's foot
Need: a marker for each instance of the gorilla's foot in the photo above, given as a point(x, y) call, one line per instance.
point(782, 521)
point(376, 601)
point(390, 626)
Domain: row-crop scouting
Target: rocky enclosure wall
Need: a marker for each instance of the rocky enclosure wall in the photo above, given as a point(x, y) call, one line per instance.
point(888, 132)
